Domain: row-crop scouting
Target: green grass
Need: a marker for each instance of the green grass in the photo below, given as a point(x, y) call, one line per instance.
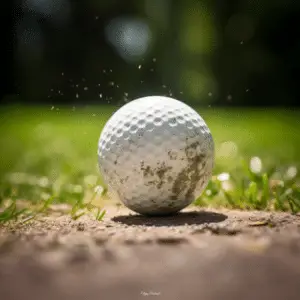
point(49, 156)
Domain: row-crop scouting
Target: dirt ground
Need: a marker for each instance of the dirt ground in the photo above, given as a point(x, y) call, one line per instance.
point(197, 254)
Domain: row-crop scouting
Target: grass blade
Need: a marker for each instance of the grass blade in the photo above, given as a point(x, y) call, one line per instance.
point(265, 191)
point(100, 214)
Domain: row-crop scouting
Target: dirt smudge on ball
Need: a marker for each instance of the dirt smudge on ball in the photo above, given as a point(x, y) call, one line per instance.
point(159, 172)
point(189, 177)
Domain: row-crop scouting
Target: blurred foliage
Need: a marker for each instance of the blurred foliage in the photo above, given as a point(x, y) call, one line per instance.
point(49, 157)
point(239, 52)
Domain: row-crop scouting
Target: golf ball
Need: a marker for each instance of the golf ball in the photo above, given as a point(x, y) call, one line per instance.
point(156, 154)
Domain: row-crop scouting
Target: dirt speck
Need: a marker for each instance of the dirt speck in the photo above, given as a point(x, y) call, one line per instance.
point(147, 171)
point(157, 172)
point(172, 155)
point(80, 227)
point(171, 240)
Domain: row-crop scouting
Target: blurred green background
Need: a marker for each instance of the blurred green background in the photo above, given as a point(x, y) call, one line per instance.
point(51, 155)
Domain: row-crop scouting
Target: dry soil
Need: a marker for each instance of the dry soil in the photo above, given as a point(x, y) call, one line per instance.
point(197, 254)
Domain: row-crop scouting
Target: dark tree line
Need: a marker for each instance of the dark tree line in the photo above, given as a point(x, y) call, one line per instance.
point(239, 52)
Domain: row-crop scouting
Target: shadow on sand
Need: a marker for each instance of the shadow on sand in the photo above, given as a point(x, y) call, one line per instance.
point(178, 219)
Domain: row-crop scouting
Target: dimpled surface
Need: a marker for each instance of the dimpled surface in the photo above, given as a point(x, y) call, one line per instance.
point(156, 154)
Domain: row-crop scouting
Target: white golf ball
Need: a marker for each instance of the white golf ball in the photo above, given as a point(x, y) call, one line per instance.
point(156, 154)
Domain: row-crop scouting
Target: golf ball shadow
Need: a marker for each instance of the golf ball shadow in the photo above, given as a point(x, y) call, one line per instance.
point(176, 219)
